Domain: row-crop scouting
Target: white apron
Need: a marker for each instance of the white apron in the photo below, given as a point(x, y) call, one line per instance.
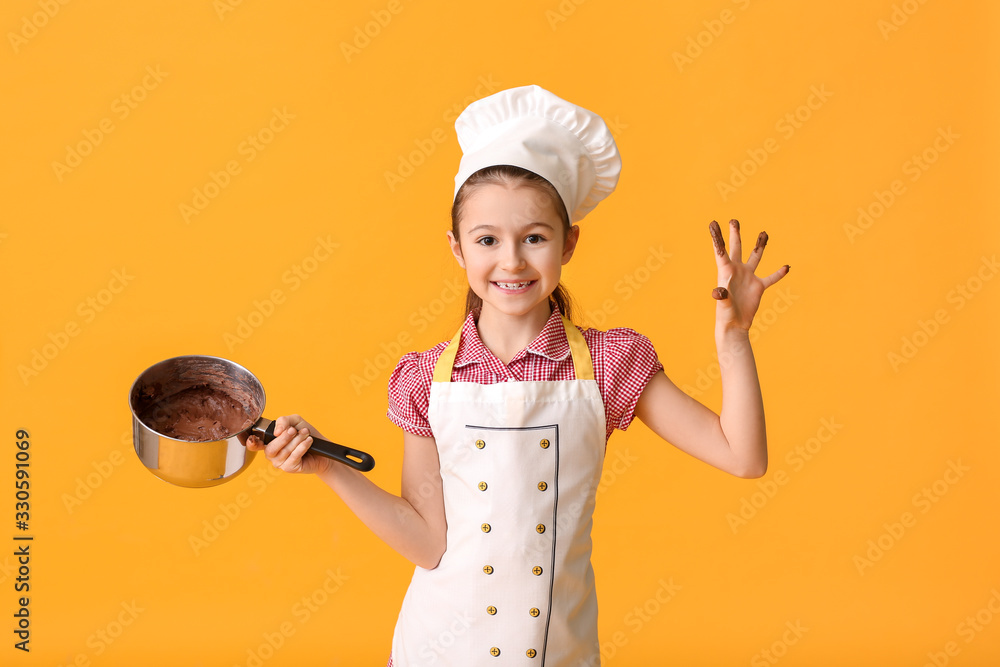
point(520, 465)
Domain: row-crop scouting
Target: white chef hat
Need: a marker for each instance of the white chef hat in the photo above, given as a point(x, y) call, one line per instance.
point(531, 128)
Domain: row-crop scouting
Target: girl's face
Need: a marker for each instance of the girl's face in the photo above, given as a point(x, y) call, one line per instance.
point(512, 247)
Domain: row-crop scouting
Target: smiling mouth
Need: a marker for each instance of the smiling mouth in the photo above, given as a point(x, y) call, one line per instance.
point(514, 286)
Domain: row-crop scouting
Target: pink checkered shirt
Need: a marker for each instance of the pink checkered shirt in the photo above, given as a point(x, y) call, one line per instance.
point(624, 361)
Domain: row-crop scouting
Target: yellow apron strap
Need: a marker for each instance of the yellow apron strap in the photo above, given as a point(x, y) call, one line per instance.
point(583, 365)
point(442, 369)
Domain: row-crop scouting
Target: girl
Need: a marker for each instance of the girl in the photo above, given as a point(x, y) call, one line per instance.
point(505, 426)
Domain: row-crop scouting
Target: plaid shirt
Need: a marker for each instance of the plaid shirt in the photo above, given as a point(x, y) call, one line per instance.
point(624, 361)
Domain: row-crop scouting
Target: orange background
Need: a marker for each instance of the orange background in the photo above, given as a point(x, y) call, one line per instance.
point(862, 545)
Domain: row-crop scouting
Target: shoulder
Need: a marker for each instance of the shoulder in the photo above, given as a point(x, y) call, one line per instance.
point(417, 367)
point(618, 342)
point(624, 363)
point(624, 359)
point(409, 390)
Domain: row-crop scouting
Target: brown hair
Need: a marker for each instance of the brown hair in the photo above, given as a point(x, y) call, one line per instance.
point(505, 174)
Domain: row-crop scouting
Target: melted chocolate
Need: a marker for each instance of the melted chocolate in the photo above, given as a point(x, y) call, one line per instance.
point(720, 244)
point(200, 413)
point(761, 242)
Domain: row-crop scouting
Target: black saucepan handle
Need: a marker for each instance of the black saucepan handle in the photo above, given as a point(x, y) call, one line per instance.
point(355, 458)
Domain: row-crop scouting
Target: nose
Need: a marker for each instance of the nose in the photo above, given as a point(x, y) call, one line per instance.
point(511, 258)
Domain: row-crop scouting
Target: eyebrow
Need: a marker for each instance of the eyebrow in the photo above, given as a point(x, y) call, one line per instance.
point(530, 225)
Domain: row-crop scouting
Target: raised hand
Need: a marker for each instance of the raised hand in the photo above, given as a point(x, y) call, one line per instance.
point(739, 292)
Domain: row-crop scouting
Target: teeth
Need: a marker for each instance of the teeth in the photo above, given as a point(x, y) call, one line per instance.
point(514, 285)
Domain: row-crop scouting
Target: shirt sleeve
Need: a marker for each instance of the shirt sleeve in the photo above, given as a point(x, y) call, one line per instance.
point(629, 363)
point(409, 395)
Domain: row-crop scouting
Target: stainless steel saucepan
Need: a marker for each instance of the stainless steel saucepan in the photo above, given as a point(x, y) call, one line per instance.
point(200, 464)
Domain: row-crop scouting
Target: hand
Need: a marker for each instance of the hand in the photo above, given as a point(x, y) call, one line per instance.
point(739, 292)
point(289, 451)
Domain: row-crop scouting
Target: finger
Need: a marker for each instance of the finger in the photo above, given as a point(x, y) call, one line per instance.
point(295, 456)
point(274, 448)
point(720, 293)
point(776, 276)
point(754, 259)
point(296, 449)
point(735, 245)
point(720, 245)
point(255, 444)
point(291, 439)
point(286, 421)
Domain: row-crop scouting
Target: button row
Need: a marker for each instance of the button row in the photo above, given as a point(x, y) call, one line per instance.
point(537, 571)
point(534, 611)
point(543, 443)
point(540, 528)
point(495, 652)
point(542, 486)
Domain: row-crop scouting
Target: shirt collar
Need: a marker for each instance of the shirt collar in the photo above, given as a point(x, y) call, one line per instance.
point(550, 342)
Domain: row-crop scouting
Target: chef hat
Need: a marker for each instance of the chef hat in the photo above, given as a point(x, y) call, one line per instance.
point(531, 128)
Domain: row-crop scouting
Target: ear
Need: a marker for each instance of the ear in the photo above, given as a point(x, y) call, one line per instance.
point(456, 249)
point(571, 240)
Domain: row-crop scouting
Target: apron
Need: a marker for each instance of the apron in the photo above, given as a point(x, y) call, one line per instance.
point(520, 464)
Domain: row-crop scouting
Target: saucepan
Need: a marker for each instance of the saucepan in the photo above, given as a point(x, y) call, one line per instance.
point(192, 416)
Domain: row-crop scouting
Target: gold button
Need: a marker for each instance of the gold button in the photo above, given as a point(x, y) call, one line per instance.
point(534, 611)
point(491, 610)
point(540, 528)
point(544, 443)
point(482, 486)
point(531, 653)
point(485, 527)
point(495, 652)
point(536, 571)
point(542, 486)
point(480, 444)
point(488, 569)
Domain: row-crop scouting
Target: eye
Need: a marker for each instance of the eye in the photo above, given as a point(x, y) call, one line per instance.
point(487, 241)
point(534, 238)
